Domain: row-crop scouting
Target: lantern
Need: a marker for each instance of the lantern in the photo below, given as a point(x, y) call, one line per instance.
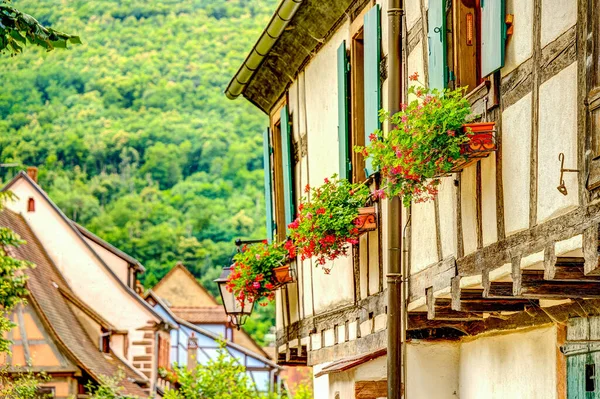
point(237, 311)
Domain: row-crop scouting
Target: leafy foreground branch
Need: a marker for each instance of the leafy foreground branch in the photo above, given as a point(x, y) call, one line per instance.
point(18, 28)
point(221, 378)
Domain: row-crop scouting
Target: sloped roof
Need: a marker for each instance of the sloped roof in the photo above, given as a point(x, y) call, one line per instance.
point(172, 273)
point(45, 285)
point(109, 247)
point(201, 314)
point(263, 357)
point(129, 290)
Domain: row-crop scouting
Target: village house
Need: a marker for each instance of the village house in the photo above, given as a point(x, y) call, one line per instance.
point(63, 331)
point(496, 280)
point(201, 323)
point(87, 315)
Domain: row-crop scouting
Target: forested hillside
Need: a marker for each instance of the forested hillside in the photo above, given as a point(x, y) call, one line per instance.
point(132, 134)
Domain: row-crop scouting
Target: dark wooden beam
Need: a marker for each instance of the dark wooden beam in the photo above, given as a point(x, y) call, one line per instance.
point(370, 389)
point(534, 286)
point(485, 305)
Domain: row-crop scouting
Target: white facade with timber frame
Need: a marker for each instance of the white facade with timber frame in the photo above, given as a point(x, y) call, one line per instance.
point(503, 287)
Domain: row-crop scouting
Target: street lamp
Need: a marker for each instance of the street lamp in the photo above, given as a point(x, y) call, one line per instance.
point(237, 312)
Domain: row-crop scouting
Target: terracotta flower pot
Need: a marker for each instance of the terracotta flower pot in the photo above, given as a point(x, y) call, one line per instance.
point(366, 219)
point(481, 135)
point(281, 275)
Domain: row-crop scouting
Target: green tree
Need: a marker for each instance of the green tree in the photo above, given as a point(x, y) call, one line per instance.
point(18, 28)
point(12, 278)
point(108, 388)
point(221, 378)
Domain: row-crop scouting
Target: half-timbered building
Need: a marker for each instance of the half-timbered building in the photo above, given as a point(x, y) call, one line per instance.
point(500, 273)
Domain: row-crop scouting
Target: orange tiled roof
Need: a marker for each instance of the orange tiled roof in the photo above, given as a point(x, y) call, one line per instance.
point(45, 284)
point(201, 314)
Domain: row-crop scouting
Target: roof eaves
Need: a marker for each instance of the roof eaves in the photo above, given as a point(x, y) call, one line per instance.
point(109, 247)
point(276, 26)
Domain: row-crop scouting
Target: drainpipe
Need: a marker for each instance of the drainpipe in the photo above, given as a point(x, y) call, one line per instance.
point(394, 239)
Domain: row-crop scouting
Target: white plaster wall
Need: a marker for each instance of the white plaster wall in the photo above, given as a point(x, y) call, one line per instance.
point(119, 266)
point(488, 200)
point(90, 280)
point(320, 384)
point(519, 46)
point(557, 17)
point(447, 202)
point(516, 152)
point(323, 160)
point(432, 370)
point(374, 370)
point(321, 109)
point(468, 204)
point(342, 384)
point(412, 11)
point(517, 366)
point(557, 133)
point(423, 236)
point(415, 63)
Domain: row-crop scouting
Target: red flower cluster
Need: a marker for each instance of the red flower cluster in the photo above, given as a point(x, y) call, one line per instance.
point(252, 276)
point(325, 223)
point(425, 141)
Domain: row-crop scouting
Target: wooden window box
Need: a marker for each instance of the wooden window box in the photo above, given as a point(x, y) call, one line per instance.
point(481, 144)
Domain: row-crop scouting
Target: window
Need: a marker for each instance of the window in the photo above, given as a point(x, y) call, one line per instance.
point(31, 205)
point(364, 100)
point(358, 104)
point(283, 166)
point(163, 352)
point(466, 41)
point(105, 341)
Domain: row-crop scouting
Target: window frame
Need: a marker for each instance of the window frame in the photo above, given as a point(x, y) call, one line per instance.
point(277, 170)
point(356, 129)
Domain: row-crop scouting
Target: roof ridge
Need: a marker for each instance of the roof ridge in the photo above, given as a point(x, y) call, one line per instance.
point(181, 266)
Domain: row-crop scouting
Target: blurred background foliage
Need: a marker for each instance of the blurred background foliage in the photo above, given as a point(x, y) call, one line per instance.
point(132, 133)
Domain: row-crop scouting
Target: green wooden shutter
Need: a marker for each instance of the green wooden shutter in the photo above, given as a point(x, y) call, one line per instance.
point(493, 35)
point(343, 110)
point(268, 186)
point(288, 165)
point(372, 48)
point(438, 70)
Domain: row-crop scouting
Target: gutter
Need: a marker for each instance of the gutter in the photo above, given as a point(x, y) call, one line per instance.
point(277, 25)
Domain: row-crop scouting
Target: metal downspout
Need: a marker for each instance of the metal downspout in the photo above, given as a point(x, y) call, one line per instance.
point(394, 239)
point(279, 21)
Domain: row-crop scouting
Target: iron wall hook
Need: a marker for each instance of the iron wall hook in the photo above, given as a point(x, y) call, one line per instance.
point(561, 186)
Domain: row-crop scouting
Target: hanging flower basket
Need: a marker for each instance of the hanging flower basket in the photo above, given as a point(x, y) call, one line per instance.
point(482, 142)
point(366, 220)
point(258, 270)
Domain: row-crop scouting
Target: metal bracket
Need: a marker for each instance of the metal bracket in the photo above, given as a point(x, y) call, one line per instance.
point(561, 186)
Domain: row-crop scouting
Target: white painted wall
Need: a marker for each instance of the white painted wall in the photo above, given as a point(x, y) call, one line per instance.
point(557, 133)
point(331, 290)
point(519, 46)
point(119, 266)
point(468, 206)
point(423, 236)
point(432, 370)
point(488, 200)
point(521, 365)
point(447, 203)
point(516, 152)
point(557, 17)
point(90, 280)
